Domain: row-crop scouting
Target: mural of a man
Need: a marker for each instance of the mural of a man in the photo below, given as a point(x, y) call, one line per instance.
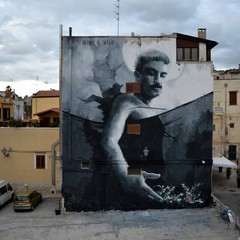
point(144, 149)
point(150, 72)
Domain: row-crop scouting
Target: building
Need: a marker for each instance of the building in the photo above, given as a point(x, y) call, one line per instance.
point(49, 117)
point(44, 100)
point(119, 149)
point(11, 106)
point(27, 108)
point(31, 156)
point(6, 101)
point(226, 120)
point(18, 109)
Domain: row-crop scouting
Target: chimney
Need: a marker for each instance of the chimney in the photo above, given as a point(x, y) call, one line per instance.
point(70, 32)
point(202, 33)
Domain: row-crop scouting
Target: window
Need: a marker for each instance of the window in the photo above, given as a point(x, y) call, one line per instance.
point(187, 54)
point(233, 98)
point(6, 114)
point(222, 77)
point(40, 161)
point(134, 129)
point(134, 171)
point(194, 54)
point(179, 53)
point(56, 120)
point(133, 87)
point(231, 125)
point(232, 152)
point(85, 165)
point(3, 190)
point(234, 76)
point(45, 122)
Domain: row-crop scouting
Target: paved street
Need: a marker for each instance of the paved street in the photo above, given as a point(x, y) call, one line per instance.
point(185, 224)
point(226, 189)
point(42, 223)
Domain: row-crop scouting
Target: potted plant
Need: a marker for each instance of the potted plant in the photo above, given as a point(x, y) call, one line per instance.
point(238, 177)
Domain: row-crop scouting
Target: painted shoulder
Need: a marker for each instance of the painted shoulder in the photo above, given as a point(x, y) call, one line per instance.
point(128, 99)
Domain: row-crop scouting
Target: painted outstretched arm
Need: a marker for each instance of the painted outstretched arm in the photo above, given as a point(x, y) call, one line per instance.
point(113, 131)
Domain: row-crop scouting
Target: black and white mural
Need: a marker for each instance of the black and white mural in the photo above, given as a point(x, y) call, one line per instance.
point(136, 125)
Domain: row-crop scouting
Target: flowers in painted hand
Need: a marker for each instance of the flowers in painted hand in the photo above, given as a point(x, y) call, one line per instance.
point(180, 196)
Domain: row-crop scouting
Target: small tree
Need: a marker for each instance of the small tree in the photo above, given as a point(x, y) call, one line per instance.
point(8, 88)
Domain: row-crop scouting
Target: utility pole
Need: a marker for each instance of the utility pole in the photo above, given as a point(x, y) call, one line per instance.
point(117, 12)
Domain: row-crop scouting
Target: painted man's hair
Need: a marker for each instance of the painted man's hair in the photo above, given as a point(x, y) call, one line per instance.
point(149, 56)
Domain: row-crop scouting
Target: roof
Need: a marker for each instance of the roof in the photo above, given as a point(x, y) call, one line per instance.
point(210, 43)
point(8, 94)
point(48, 93)
point(56, 110)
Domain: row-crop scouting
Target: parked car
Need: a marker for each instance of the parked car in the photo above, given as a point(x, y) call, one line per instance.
point(6, 192)
point(27, 200)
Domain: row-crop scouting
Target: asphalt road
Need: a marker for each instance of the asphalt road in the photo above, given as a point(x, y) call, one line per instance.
point(226, 190)
point(43, 223)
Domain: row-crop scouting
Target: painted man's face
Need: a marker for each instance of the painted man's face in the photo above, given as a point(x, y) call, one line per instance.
point(151, 78)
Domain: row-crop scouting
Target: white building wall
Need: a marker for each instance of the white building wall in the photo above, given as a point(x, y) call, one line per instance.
point(18, 109)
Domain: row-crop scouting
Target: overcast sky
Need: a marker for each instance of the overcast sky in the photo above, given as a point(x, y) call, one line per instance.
point(29, 31)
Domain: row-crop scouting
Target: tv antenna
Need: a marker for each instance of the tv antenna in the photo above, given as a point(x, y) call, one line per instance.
point(117, 12)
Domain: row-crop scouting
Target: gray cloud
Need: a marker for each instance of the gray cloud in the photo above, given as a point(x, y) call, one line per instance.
point(29, 30)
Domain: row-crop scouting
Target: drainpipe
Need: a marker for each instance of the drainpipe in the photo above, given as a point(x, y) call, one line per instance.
point(53, 161)
point(225, 122)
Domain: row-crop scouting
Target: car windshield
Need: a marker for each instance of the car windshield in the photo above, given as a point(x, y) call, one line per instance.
point(21, 198)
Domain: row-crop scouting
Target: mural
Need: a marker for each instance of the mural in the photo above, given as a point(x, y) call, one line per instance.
point(147, 145)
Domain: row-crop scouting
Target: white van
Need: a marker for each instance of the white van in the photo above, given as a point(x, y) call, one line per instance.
point(6, 192)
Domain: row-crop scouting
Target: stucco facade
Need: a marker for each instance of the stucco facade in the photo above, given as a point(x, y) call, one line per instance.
point(226, 134)
point(6, 106)
point(44, 100)
point(136, 121)
point(19, 165)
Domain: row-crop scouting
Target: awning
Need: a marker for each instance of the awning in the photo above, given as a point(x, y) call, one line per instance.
point(223, 162)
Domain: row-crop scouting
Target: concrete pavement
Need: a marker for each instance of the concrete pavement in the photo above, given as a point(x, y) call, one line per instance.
point(42, 223)
point(226, 190)
point(180, 224)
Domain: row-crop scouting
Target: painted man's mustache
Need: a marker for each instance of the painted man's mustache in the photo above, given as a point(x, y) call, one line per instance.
point(156, 85)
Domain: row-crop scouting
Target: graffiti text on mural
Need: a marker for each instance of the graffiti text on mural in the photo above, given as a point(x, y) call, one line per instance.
point(98, 42)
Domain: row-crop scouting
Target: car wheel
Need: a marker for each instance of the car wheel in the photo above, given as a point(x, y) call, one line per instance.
point(12, 198)
point(32, 207)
